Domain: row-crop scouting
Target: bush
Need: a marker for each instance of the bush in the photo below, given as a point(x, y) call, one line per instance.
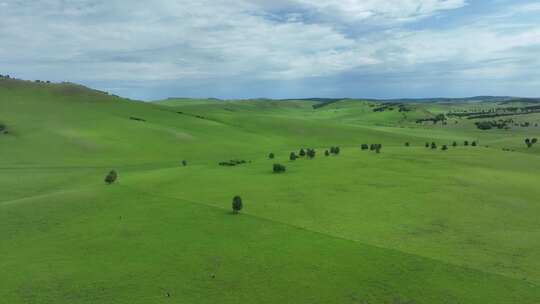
point(271, 156)
point(111, 177)
point(293, 156)
point(232, 163)
point(184, 163)
point(278, 168)
point(407, 144)
point(237, 204)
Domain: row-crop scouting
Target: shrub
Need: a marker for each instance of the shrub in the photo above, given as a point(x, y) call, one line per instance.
point(278, 168)
point(271, 156)
point(293, 156)
point(237, 204)
point(111, 177)
point(232, 163)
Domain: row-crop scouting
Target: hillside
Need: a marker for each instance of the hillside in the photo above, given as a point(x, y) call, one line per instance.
point(407, 225)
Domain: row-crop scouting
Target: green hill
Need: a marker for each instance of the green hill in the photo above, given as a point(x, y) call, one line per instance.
point(407, 225)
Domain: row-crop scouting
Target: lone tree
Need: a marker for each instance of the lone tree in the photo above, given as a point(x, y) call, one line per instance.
point(184, 163)
point(237, 204)
point(271, 156)
point(278, 168)
point(302, 152)
point(111, 177)
point(407, 144)
point(293, 156)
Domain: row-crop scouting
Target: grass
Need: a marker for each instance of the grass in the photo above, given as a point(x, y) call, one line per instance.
point(409, 225)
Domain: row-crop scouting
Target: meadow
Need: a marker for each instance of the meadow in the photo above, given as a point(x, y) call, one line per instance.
point(407, 225)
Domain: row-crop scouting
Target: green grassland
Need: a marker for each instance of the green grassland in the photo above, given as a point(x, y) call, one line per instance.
point(408, 225)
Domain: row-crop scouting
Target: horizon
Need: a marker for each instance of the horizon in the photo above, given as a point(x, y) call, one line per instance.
point(291, 49)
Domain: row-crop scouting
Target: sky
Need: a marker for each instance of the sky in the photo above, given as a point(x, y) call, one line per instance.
point(157, 49)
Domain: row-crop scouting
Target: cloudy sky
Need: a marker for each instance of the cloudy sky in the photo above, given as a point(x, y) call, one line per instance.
point(277, 48)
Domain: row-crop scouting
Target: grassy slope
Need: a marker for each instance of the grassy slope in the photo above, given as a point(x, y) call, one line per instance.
point(408, 224)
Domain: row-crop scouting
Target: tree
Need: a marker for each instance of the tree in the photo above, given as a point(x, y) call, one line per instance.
point(534, 140)
point(407, 144)
point(311, 153)
point(528, 142)
point(184, 163)
point(302, 152)
point(278, 168)
point(466, 143)
point(237, 204)
point(293, 156)
point(427, 145)
point(454, 144)
point(111, 177)
point(271, 156)
point(365, 147)
point(474, 144)
point(433, 145)
point(326, 153)
point(444, 147)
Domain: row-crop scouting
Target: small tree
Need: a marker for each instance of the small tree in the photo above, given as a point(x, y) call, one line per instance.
point(407, 144)
point(184, 163)
point(534, 140)
point(466, 143)
point(311, 153)
point(293, 156)
point(111, 177)
point(454, 144)
point(237, 204)
point(365, 147)
point(326, 153)
point(271, 156)
point(302, 152)
point(444, 147)
point(433, 145)
point(278, 168)
point(474, 144)
point(427, 145)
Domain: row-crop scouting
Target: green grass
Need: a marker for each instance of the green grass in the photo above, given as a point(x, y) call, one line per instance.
point(409, 225)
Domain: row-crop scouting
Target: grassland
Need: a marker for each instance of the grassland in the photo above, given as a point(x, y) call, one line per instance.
point(408, 225)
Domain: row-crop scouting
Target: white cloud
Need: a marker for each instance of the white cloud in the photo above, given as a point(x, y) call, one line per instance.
point(165, 40)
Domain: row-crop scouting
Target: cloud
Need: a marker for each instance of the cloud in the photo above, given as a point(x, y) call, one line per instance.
point(247, 45)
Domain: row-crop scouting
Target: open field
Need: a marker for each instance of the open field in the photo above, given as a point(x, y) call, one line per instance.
point(408, 225)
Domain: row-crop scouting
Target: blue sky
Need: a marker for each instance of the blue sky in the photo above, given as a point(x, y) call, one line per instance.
point(277, 49)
